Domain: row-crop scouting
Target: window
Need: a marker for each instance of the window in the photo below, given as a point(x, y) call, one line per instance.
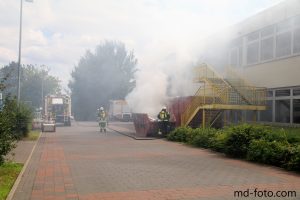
point(283, 44)
point(282, 109)
point(236, 52)
point(266, 115)
point(297, 21)
point(296, 91)
point(296, 45)
point(296, 111)
point(284, 26)
point(234, 57)
point(269, 93)
point(252, 53)
point(268, 31)
point(282, 93)
point(267, 46)
point(253, 36)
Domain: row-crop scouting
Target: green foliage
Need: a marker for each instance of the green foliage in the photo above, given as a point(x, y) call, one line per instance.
point(180, 134)
point(14, 124)
point(203, 137)
point(8, 174)
point(263, 144)
point(219, 141)
point(101, 76)
point(293, 163)
point(240, 137)
point(34, 82)
point(274, 153)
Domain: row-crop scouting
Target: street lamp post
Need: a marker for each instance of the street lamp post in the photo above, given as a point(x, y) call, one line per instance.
point(19, 58)
point(20, 45)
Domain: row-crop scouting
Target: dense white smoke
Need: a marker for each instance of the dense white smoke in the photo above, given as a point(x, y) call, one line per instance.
point(168, 75)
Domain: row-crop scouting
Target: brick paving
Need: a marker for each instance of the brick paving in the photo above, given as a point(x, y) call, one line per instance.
point(79, 162)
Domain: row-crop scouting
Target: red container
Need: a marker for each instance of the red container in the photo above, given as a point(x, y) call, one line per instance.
point(177, 106)
point(144, 127)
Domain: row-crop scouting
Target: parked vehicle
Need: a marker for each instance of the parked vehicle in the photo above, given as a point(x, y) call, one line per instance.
point(57, 108)
point(119, 110)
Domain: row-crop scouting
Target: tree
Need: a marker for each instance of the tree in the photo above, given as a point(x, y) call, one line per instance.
point(34, 82)
point(101, 76)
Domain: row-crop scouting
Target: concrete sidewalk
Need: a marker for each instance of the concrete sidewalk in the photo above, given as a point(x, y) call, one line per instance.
point(79, 162)
point(22, 151)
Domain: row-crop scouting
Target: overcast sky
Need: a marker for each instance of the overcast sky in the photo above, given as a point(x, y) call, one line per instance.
point(58, 32)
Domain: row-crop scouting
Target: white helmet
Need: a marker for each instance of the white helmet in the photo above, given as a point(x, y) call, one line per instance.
point(101, 108)
point(164, 108)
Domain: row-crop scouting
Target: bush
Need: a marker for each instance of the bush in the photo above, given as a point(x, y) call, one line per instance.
point(203, 137)
point(13, 126)
point(274, 153)
point(179, 134)
point(294, 158)
point(263, 144)
point(240, 136)
point(220, 141)
point(24, 120)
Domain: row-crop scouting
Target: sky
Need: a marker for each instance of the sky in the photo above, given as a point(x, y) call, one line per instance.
point(56, 33)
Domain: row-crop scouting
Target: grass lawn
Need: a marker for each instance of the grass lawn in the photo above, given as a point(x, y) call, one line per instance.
point(8, 174)
point(33, 135)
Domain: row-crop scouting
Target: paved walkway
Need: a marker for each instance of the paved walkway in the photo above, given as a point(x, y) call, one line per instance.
point(79, 162)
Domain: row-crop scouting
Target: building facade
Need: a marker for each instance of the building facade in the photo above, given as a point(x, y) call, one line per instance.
point(265, 49)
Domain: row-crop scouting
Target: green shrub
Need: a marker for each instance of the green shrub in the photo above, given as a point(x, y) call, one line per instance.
point(203, 137)
point(240, 136)
point(274, 153)
point(179, 134)
point(24, 119)
point(294, 159)
point(13, 126)
point(219, 141)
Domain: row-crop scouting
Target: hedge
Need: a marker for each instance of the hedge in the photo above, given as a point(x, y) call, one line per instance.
point(258, 143)
point(14, 125)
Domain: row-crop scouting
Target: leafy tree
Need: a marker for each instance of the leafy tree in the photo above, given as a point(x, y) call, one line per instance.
point(101, 76)
point(34, 82)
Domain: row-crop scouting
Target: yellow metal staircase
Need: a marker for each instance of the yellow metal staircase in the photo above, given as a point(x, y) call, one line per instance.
point(217, 94)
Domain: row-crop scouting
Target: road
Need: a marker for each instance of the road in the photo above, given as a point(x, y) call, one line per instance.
point(79, 162)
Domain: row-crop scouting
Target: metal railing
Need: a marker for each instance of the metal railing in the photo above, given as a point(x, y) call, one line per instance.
point(217, 90)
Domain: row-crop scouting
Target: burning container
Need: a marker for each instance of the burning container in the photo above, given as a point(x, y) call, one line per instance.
point(147, 127)
point(177, 106)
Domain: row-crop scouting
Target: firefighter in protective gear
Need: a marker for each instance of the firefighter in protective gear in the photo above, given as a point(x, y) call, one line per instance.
point(102, 119)
point(164, 117)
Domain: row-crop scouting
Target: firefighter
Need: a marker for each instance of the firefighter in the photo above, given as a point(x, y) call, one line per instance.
point(164, 117)
point(102, 119)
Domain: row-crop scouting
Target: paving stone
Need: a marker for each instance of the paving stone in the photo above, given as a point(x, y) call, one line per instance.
point(79, 162)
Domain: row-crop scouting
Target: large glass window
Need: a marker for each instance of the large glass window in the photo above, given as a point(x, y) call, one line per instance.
point(284, 26)
point(296, 111)
point(268, 31)
point(234, 57)
point(296, 45)
point(269, 93)
point(283, 44)
point(296, 91)
point(282, 111)
point(266, 115)
point(267, 46)
point(252, 53)
point(253, 36)
point(282, 93)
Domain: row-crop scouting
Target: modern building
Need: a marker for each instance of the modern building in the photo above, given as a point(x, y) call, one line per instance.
point(265, 50)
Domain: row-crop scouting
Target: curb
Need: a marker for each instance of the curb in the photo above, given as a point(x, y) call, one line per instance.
point(131, 136)
point(16, 184)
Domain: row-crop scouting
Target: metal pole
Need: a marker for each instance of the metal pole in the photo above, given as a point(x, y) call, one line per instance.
point(42, 88)
point(19, 58)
